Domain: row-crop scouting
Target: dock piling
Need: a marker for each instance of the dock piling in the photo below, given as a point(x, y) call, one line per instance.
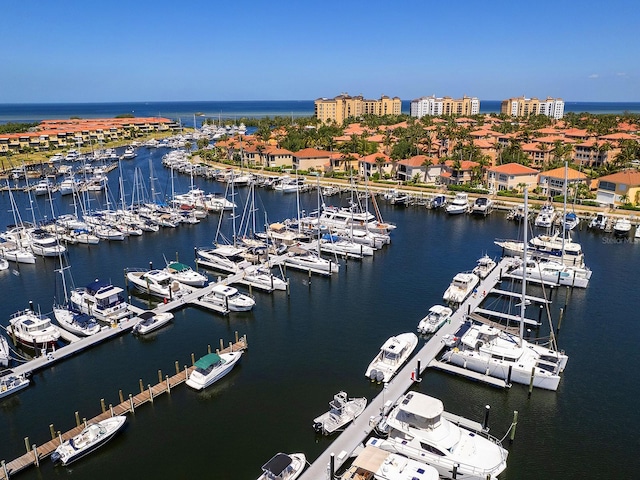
point(221, 345)
point(168, 384)
point(77, 419)
point(111, 409)
point(209, 348)
point(193, 359)
point(4, 469)
point(141, 386)
point(454, 473)
point(26, 444)
point(121, 396)
point(102, 405)
point(514, 424)
point(485, 422)
point(177, 367)
point(131, 403)
point(560, 319)
point(533, 373)
point(36, 458)
point(150, 392)
point(332, 465)
point(159, 376)
point(52, 431)
point(186, 373)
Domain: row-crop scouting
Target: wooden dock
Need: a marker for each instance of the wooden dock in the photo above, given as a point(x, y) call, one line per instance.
point(36, 453)
point(354, 435)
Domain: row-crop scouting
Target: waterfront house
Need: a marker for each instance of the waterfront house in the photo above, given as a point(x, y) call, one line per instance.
point(311, 159)
point(619, 188)
point(455, 172)
point(427, 168)
point(552, 182)
point(511, 176)
point(375, 163)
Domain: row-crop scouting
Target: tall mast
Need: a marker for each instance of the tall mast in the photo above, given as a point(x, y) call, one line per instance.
point(523, 305)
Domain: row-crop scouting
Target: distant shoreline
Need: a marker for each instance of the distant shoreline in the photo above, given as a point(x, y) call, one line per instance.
point(194, 112)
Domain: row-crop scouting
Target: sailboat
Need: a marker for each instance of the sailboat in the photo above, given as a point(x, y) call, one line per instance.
point(493, 351)
point(69, 317)
point(12, 248)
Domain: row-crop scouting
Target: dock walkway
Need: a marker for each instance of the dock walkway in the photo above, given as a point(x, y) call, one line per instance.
point(36, 454)
point(354, 435)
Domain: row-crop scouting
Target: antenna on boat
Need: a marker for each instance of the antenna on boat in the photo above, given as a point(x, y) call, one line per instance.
point(523, 305)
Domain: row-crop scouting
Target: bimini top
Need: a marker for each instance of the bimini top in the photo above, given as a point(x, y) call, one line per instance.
point(99, 285)
point(208, 360)
point(178, 267)
point(277, 464)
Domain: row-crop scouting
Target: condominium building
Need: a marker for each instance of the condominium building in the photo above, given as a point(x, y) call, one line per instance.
point(444, 106)
point(344, 106)
point(524, 107)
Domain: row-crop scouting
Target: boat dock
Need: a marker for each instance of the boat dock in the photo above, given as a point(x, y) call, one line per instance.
point(36, 453)
point(355, 434)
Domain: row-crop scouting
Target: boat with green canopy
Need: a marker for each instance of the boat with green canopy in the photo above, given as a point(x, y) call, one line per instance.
point(211, 368)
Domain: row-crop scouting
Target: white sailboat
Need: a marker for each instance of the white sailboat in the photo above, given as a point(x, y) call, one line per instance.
point(495, 352)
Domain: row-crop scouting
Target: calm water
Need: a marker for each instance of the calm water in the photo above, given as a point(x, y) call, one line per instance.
point(306, 347)
point(186, 111)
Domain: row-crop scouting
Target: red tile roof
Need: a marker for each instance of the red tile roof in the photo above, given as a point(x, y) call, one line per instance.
point(514, 169)
point(572, 174)
point(626, 177)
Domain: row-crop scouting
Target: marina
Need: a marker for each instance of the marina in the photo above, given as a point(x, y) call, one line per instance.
point(278, 316)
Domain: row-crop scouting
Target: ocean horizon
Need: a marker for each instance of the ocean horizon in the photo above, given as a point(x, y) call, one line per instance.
point(193, 112)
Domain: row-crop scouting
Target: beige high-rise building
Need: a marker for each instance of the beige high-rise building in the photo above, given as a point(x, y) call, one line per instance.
point(524, 107)
point(344, 106)
point(444, 106)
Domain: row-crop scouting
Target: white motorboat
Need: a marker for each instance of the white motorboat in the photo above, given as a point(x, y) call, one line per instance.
point(284, 466)
point(420, 429)
point(16, 253)
point(45, 244)
point(129, 153)
point(224, 258)
point(301, 259)
point(342, 411)
point(11, 383)
point(599, 222)
point(437, 316)
point(75, 321)
point(459, 204)
point(546, 216)
point(334, 244)
point(186, 275)
point(93, 436)
point(211, 368)
point(493, 351)
point(484, 266)
point(158, 283)
point(438, 201)
point(346, 218)
point(374, 463)
point(482, 206)
point(261, 277)
point(393, 354)
point(229, 298)
point(461, 287)
point(43, 187)
point(288, 185)
point(570, 221)
point(33, 330)
point(101, 300)
point(622, 227)
point(68, 186)
point(5, 353)
point(150, 321)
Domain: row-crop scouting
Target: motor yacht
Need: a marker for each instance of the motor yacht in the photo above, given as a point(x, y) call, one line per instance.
point(461, 287)
point(460, 204)
point(420, 429)
point(150, 321)
point(438, 315)
point(211, 368)
point(230, 298)
point(283, 466)
point(33, 330)
point(101, 300)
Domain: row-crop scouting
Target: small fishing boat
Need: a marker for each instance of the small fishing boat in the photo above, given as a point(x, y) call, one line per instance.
point(393, 354)
point(93, 436)
point(484, 266)
point(437, 316)
point(461, 287)
point(342, 411)
point(150, 321)
point(211, 368)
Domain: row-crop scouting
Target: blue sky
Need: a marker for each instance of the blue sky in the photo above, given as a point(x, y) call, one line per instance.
point(140, 50)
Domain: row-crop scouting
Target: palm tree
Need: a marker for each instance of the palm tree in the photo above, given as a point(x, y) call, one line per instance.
point(426, 163)
point(380, 161)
